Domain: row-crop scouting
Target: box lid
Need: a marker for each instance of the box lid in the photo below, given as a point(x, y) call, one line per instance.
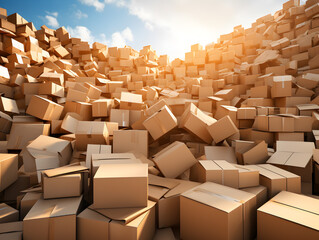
point(126, 170)
point(64, 170)
point(294, 207)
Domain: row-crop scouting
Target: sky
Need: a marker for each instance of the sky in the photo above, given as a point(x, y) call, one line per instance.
point(170, 26)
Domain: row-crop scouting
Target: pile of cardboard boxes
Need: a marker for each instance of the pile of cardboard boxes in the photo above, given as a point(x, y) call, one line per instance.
point(102, 142)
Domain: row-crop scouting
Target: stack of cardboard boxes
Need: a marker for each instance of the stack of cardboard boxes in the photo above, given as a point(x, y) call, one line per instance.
point(102, 142)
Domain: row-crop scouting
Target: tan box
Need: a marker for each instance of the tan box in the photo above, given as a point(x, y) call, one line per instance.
point(63, 182)
point(121, 116)
point(229, 213)
point(254, 153)
point(260, 192)
point(120, 185)
point(8, 214)
point(276, 179)
point(222, 129)
point(220, 153)
point(92, 225)
point(196, 122)
point(22, 133)
point(52, 219)
point(217, 171)
point(246, 113)
point(247, 177)
point(294, 216)
point(89, 132)
point(101, 107)
point(281, 124)
point(129, 140)
point(8, 105)
point(295, 157)
point(131, 101)
point(9, 170)
point(95, 149)
point(282, 86)
point(46, 152)
point(44, 109)
point(28, 201)
point(173, 160)
point(11, 230)
point(160, 123)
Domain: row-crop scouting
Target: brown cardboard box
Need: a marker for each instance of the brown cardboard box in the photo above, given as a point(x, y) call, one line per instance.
point(52, 219)
point(8, 214)
point(281, 124)
point(282, 86)
point(121, 116)
point(44, 109)
point(220, 153)
point(95, 149)
point(276, 179)
point(27, 202)
point(101, 107)
point(12, 230)
point(260, 192)
point(173, 160)
point(9, 170)
point(288, 216)
point(63, 182)
point(46, 152)
point(92, 225)
point(131, 101)
point(247, 177)
point(229, 213)
point(246, 113)
point(217, 171)
point(120, 185)
point(222, 129)
point(111, 158)
point(160, 123)
point(88, 132)
point(8, 105)
point(128, 140)
point(255, 153)
point(131, 223)
point(295, 157)
point(196, 122)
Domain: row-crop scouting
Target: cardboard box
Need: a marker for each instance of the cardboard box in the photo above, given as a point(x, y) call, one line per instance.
point(8, 214)
point(196, 122)
point(254, 153)
point(173, 160)
point(217, 171)
point(131, 223)
point(295, 157)
point(44, 109)
point(128, 140)
point(88, 132)
point(8, 105)
point(160, 123)
point(12, 230)
point(121, 116)
point(46, 152)
point(120, 185)
point(52, 219)
point(101, 107)
point(260, 192)
point(92, 225)
point(95, 149)
point(220, 153)
point(27, 202)
point(294, 215)
point(9, 170)
point(229, 213)
point(131, 101)
point(63, 182)
point(282, 86)
point(222, 129)
point(22, 133)
point(246, 113)
point(248, 178)
point(276, 179)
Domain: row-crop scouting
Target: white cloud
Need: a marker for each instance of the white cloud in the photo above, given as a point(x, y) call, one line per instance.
point(183, 23)
point(149, 26)
point(52, 21)
point(99, 6)
point(81, 32)
point(79, 14)
point(118, 39)
point(54, 14)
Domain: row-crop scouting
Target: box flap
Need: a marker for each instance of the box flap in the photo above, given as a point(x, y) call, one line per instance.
point(124, 214)
point(182, 187)
point(122, 170)
point(279, 158)
point(64, 170)
point(162, 182)
point(294, 146)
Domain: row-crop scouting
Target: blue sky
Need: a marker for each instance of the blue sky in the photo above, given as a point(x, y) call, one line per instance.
point(170, 26)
